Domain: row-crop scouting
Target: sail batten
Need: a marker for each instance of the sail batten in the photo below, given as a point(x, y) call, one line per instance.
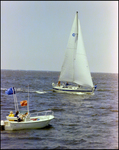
point(75, 67)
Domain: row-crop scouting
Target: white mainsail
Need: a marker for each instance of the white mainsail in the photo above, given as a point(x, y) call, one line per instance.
point(75, 67)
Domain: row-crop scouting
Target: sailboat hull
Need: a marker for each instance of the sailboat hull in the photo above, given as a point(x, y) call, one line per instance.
point(72, 90)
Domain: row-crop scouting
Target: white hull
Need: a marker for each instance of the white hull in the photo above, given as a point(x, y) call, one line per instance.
point(25, 120)
point(30, 123)
point(72, 90)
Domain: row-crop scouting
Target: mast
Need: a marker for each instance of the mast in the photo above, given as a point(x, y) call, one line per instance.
point(77, 21)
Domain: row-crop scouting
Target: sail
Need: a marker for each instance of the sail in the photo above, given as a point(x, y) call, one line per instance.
point(67, 70)
point(75, 67)
point(82, 74)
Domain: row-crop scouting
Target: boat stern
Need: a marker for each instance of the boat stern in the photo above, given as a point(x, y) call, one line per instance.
point(2, 125)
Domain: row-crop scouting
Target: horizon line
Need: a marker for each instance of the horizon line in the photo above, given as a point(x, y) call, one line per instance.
point(50, 70)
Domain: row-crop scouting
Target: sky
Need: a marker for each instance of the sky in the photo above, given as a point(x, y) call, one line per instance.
point(34, 34)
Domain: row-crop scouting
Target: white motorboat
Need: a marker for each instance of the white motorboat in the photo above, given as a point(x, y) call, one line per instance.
point(75, 69)
point(29, 121)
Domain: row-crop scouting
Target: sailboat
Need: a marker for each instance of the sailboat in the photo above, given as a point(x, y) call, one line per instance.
point(75, 69)
point(29, 120)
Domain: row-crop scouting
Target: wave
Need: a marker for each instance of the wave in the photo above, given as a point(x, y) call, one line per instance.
point(3, 89)
point(58, 109)
point(114, 110)
point(105, 90)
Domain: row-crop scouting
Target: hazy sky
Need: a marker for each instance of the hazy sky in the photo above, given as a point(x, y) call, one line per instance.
point(34, 34)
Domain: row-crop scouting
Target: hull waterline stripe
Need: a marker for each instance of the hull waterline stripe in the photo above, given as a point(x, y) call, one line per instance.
point(72, 90)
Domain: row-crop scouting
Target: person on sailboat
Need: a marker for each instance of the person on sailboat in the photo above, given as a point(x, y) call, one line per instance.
point(79, 86)
point(58, 83)
point(67, 84)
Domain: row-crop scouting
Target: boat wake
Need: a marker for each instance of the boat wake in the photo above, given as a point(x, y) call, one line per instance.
point(25, 90)
point(41, 92)
point(81, 93)
point(84, 93)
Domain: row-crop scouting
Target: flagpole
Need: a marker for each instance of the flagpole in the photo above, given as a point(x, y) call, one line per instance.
point(16, 102)
point(14, 99)
point(28, 100)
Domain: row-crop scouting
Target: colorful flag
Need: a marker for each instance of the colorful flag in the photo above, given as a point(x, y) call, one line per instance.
point(23, 103)
point(10, 91)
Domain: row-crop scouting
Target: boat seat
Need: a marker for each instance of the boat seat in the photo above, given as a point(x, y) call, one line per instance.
point(11, 118)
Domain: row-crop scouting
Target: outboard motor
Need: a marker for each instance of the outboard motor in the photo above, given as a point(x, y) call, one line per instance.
point(2, 125)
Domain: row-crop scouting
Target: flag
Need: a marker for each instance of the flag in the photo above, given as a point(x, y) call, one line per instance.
point(10, 91)
point(23, 103)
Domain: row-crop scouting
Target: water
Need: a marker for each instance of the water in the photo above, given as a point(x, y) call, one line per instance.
point(81, 121)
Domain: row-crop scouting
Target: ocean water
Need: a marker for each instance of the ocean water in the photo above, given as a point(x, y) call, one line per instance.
point(81, 121)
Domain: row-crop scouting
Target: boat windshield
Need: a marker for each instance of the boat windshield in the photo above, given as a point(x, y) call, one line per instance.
point(22, 111)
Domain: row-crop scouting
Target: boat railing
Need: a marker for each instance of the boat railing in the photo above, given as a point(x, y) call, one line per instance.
point(42, 113)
